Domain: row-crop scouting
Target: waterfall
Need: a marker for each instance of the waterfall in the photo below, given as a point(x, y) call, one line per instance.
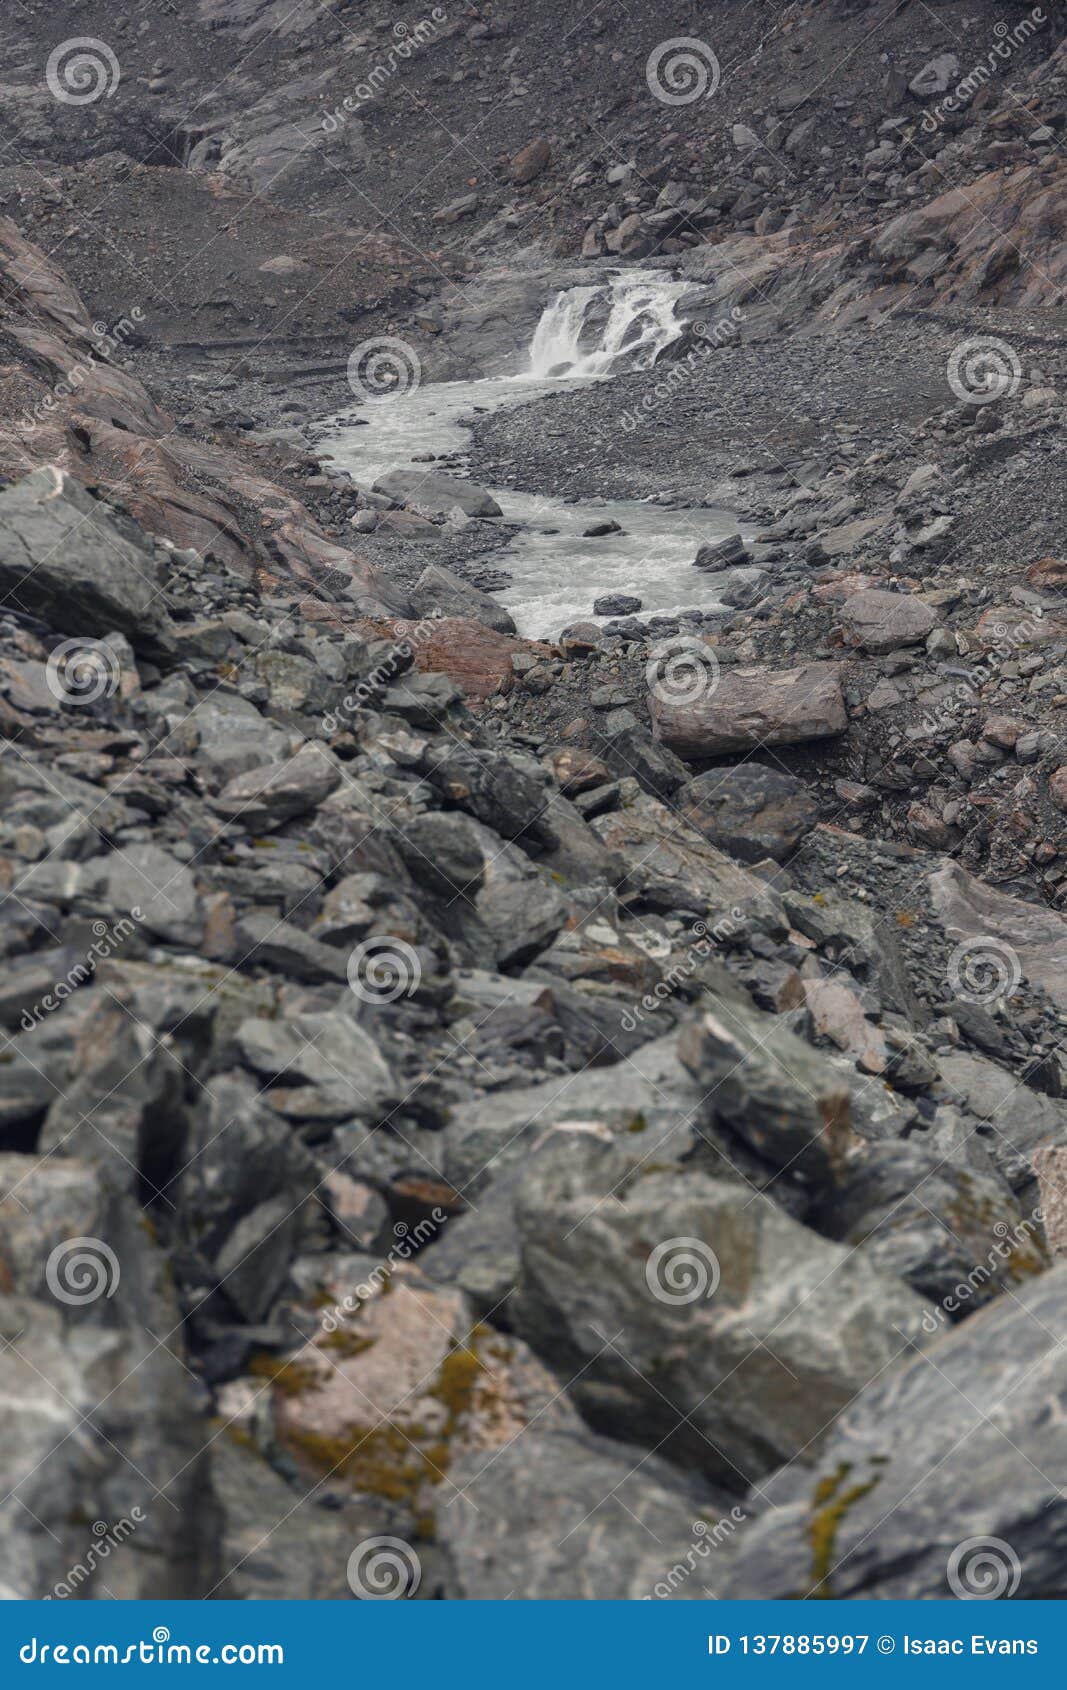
point(640, 323)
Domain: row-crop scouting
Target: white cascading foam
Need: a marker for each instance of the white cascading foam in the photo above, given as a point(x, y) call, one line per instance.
point(640, 324)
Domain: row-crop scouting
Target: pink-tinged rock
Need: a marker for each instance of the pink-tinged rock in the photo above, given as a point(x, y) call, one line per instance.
point(475, 657)
point(969, 909)
point(1008, 629)
point(400, 1380)
point(1050, 1166)
point(530, 160)
point(837, 1014)
point(1057, 787)
point(748, 708)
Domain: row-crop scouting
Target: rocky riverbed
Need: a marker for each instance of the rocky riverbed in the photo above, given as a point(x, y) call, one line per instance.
point(485, 1116)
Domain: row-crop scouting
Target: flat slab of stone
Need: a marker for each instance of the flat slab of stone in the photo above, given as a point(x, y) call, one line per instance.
point(747, 708)
point(970, 911)
point(436, 493)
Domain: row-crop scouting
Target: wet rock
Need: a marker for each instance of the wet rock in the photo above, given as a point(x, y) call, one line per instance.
point(616, 604)
point(436, 493)
point(722, 554)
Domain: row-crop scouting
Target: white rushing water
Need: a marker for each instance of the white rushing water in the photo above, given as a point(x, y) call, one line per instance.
point(584, 335)
point(641, 323)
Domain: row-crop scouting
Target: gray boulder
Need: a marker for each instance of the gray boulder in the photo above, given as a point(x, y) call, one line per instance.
point(73, 561)
point(438, 588)
point(945, 1477)
point(750, 810)
point(265, 798)
point(880, 621)
point(428, 491)
point(600, 1521)
point(693, 1314)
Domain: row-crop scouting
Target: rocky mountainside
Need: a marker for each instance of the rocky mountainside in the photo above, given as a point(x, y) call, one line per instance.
point(486, 1117)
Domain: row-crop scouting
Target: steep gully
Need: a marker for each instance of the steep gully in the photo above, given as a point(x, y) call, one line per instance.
point(586, 334)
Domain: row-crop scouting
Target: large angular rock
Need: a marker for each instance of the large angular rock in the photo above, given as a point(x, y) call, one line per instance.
point(880, 621)
point(599, 1522)
point(749, 810)
point(749, 708)
point(123, 1110)
point(328, 1065)
point(100, 1425)
point(436, 493)
point(140, 883)
point(694, 1315)
point(954, 1233)
point(780, 1096)
point(233, 737)
point(960, 1444)
point(669, 865)
point(630, 750)
point(438, 588)
point(71, 560)
point(265, 798)
point(504, 790)
point(978, 916)
point(278, 1543)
